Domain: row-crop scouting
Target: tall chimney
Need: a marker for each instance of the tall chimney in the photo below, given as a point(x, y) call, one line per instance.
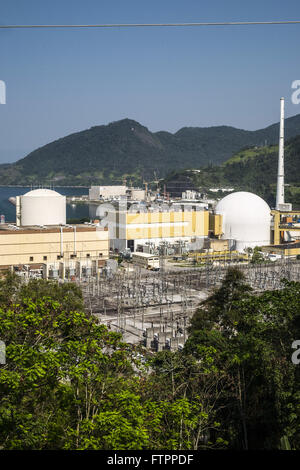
point(280, 174)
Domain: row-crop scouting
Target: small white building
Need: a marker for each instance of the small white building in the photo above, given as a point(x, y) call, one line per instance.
point(106, 192)
point(190, 195)
point(137, 194)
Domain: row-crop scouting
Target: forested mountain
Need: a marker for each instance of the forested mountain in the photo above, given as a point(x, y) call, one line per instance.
point(104, 154)
point(254, 169)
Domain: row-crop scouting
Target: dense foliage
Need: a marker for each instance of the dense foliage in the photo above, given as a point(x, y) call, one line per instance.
point(254, 169)
point(104, 154)
point(251, 336)
point(70, 383)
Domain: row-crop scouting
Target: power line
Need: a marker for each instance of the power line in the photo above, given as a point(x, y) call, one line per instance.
point(146, 25)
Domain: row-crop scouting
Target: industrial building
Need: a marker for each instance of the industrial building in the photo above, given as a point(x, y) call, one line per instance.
point(283, 250)
point(189, 195)
point(246, 220)
point(178, 184)
point(128, 229)
point(53, 248)
point(41, 207)
point(107, 192)
point(110, 193)
point(240, 220)
point(137, 194)
point(286, 226)
point(42, 244)
point(286, 222)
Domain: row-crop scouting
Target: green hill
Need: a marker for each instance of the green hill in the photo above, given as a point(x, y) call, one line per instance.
point(255, 170)
point(104, 154)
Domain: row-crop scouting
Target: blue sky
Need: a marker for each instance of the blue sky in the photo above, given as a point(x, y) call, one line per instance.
point(64, 81)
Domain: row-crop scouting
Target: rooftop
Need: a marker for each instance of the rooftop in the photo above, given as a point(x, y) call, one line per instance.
point(12, 228)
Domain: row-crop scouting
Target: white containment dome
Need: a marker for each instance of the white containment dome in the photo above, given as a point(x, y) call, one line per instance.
point(42, 207)
point(246, 220)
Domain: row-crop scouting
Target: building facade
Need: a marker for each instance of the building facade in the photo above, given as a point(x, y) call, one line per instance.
point(128, 229)
point(51, 247)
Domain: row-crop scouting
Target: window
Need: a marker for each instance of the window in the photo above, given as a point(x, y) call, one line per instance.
point(45, 258)
point(87, 255)
point(31, 258)
point(73, 256)
point(100, 254)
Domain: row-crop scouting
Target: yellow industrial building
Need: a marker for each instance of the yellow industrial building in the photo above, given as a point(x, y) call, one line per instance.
point(285, 234)
point(127, 229)
point(284, 249)
point(130, 230)
point(283, 222)
point(53, 248)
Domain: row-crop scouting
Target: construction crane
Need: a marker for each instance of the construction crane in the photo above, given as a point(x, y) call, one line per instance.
point(156, 181)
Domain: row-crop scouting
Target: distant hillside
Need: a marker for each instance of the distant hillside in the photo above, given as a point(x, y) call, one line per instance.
point(104, 154)
point(254, 169)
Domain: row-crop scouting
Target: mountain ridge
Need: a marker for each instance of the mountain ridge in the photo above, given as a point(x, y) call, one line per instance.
point(104, 154)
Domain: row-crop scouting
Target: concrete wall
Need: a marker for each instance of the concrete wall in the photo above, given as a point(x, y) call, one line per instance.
point(173, 224)
point(26, 246)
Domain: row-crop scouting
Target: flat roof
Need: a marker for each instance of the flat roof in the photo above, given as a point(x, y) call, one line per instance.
point(12, 228)
point(145, 210)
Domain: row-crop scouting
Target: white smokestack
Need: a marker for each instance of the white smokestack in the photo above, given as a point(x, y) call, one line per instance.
point(280, 174)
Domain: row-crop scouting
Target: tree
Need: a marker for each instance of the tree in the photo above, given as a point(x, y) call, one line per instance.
point(252, 335)
point(257, 256)
point(62, 367)
point(70, 383)
point(189, 390)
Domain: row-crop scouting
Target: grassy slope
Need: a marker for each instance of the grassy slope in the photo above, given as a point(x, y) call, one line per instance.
point(255, 170)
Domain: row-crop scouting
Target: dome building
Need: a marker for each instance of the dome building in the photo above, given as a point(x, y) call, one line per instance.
point(41, 207)
point(246, 220)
